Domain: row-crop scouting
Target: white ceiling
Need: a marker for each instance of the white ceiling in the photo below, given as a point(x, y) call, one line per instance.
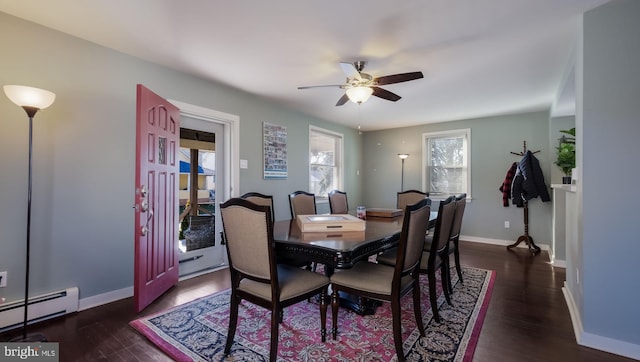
point(479, 57)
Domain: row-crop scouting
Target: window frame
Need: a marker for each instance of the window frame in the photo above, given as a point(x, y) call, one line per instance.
point(426, 158)
point(338, 159)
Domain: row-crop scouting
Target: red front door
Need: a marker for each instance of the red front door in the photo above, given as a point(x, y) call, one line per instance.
point(156, 218)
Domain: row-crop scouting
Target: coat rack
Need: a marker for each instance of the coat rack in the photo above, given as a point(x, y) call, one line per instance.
point(533, 248)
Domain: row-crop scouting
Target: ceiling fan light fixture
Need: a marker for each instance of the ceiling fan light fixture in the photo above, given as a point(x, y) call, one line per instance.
point(359, 94)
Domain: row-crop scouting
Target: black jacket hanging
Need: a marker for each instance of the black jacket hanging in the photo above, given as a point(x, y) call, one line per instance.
point(530, 183)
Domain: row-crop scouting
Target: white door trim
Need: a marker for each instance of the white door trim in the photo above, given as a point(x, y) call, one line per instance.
point(231, 124)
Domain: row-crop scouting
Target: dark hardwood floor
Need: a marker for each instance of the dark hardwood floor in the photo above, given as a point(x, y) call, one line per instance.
point(527, 319)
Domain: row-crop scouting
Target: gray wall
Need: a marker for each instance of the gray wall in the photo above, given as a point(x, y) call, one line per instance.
point(84, 145)
point(492, 140)
point(608, 122)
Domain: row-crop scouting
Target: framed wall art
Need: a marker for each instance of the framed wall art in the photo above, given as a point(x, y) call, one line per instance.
point(275, 151)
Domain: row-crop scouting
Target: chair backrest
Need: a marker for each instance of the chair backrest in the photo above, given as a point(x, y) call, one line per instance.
point(442, 230)
point(461, 202)
point(302, 203)
point(414, 227)
point(409, 197)
point(249, 235)
point(338, 202)
point(260, 199)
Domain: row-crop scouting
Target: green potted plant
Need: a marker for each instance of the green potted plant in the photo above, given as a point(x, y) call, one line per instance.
point(566, 154)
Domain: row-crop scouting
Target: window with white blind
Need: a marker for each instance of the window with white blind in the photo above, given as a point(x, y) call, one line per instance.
point(325, 161)
point(447, 162)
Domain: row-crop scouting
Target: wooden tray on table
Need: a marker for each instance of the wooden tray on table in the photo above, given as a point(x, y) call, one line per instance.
point(378, 212)
point(330, 223)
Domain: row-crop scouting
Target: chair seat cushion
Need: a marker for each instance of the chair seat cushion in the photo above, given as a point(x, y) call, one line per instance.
point(293, 282)
point(368, 277)
point(388, 257)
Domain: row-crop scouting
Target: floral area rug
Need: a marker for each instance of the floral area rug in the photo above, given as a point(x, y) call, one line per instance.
point(197, 331)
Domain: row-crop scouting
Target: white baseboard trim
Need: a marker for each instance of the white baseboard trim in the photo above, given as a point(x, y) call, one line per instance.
point(501, 242)
point(573, 312)
point(115, 295)
point(590, 340)
point(545, 247)
point(105, 298)
point(560, 263)
point(610, 345)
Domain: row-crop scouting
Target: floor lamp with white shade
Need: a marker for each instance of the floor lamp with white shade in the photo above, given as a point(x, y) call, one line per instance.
point(402, 156)
point(31, 100)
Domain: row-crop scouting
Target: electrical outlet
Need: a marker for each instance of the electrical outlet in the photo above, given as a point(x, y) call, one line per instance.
point(3, 279)
point(507, 225)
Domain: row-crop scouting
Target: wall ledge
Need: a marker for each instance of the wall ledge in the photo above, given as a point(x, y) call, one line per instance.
point(565, 187)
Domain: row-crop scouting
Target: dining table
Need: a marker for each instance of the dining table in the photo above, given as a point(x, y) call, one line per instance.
point(340, 249)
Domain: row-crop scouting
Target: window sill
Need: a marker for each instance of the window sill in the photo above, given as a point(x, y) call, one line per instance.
point(442, 198)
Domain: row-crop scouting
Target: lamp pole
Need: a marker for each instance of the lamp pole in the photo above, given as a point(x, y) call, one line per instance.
point(26, 281)
point(31, 100)
point(402, 156)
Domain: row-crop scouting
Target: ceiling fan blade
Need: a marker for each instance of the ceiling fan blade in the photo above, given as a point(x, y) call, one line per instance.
point(385, 94)
point(398, 78)
point(322, 86)
point(344, 99)
point(350, 70)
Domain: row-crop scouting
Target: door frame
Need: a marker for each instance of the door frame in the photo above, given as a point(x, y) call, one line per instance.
point(231, 146)
point(231, 126)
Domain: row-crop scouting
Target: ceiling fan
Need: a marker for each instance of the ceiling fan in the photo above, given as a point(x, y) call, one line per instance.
point(360, 86)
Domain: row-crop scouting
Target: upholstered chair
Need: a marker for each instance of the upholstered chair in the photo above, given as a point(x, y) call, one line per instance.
point(389, 283)
point(255, 275)
point(261, 199)
point(433, 253)
point(338, 202)
point(454, 247)
point(409, 197)
point(302, 203)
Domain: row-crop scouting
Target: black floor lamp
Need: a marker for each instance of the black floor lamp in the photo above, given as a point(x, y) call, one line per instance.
point(31, 100)
point(403, 156)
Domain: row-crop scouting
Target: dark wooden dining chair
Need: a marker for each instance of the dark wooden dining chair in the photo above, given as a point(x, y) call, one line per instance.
point(389, 283)
point(261, 199)
point(267, 200)
point(454, 248)
point(302, 203)
point(338, 202)
point(434, 253)
point(409, 197)
point(255, 275)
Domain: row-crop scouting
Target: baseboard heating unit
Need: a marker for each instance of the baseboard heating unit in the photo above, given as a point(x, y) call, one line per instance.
point(42, 307)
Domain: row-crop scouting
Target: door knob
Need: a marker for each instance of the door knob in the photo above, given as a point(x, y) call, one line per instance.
point(144, 230)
